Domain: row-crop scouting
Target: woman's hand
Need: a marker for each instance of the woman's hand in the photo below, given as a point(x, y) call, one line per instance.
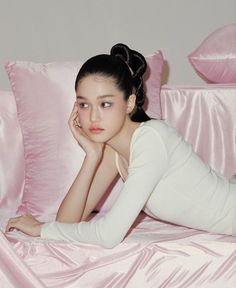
point(89, 146)
point(27, 224)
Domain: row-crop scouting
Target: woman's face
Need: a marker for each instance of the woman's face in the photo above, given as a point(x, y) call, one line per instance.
point(102, 109)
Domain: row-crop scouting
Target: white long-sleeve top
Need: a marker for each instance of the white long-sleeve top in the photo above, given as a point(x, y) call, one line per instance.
point(167, 180)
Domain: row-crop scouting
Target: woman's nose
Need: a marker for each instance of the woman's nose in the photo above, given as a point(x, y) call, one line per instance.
point(95, 115)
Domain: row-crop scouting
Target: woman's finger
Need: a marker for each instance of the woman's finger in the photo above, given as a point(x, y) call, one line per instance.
point(74, 112)
point(13, 223)
point(13, 220)
point(76, 122)
point(73, 119)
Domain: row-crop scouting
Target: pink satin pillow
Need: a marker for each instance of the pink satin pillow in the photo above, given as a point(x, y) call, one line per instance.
point(215, 58)
point(12, 166)
point(44, 96)
point(152, 84)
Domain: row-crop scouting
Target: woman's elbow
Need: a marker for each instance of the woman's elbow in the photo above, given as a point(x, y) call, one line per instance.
point(110, 242)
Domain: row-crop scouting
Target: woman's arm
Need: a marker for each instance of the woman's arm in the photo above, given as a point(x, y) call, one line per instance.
point(106, 173)
point(72, 206)
point(148, 163)
point(89, 186)
point(97, 172)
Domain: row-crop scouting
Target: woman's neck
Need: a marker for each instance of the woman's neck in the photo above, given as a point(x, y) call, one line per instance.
point(121, 142)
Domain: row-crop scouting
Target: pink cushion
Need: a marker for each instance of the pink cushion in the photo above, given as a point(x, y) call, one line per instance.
point(45, 95)
point(215, 58)
point(11, 155)
point(152, 84)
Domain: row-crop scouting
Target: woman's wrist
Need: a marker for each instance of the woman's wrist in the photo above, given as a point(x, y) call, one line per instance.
point(93, 157)
point(38, 229)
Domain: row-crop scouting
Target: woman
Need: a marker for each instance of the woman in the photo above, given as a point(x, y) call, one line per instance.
point(162, 175)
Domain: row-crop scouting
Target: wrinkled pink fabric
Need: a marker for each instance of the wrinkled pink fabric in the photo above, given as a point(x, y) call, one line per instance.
point(152, 84)
point(44, 96)
point(13, 271)
point(215, 58)
point(206, 118)
point(12, 165)
point(155, 254)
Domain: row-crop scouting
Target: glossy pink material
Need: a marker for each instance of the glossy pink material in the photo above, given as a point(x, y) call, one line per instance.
point(215, 58)
point(152, 80)
point(155, 254)
point(13, 271)
point(45, 96)
point(12, 166)
point(206, 118)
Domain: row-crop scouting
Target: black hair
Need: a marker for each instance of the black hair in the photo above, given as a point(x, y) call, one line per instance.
point(126, 67)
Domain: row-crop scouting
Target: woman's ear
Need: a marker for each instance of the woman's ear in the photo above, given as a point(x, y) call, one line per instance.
point(131, 103)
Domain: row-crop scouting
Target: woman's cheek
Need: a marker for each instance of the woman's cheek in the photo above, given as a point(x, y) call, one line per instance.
point(118, 113)
point(108, 116)
point(81, 115)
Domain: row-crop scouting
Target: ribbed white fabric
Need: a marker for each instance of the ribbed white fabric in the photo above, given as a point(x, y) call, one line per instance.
point(166, 179)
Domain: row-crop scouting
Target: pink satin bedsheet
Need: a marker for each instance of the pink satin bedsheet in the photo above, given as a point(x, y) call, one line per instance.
point(206, 118)
point(154, 255)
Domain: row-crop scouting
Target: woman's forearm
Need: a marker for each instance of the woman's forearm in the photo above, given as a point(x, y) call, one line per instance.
point(72, 207)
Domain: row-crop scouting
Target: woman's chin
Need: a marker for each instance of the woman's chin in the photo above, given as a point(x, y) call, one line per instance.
point(97, 138)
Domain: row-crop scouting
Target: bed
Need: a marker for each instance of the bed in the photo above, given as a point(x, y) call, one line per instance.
point(155, 254)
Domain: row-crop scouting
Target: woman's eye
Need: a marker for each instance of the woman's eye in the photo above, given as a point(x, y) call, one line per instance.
point(83, 105)
point(106, 104)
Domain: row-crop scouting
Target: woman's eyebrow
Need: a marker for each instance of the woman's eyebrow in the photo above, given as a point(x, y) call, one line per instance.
point(80, 97)
point(99, 97)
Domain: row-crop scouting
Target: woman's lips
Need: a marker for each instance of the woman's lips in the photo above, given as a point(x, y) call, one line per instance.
point(96, 130)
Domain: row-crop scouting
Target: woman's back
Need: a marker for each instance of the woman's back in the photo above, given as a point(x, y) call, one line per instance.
point(188, 192)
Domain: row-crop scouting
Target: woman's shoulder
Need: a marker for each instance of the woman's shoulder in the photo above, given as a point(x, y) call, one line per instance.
point(161, 127)
point(148, 131)
point(148, 142)
point(157, 129)
point(156, 124)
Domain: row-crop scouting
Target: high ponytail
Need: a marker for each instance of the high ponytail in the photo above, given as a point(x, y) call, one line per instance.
point(137, 66)
point(126, 67)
